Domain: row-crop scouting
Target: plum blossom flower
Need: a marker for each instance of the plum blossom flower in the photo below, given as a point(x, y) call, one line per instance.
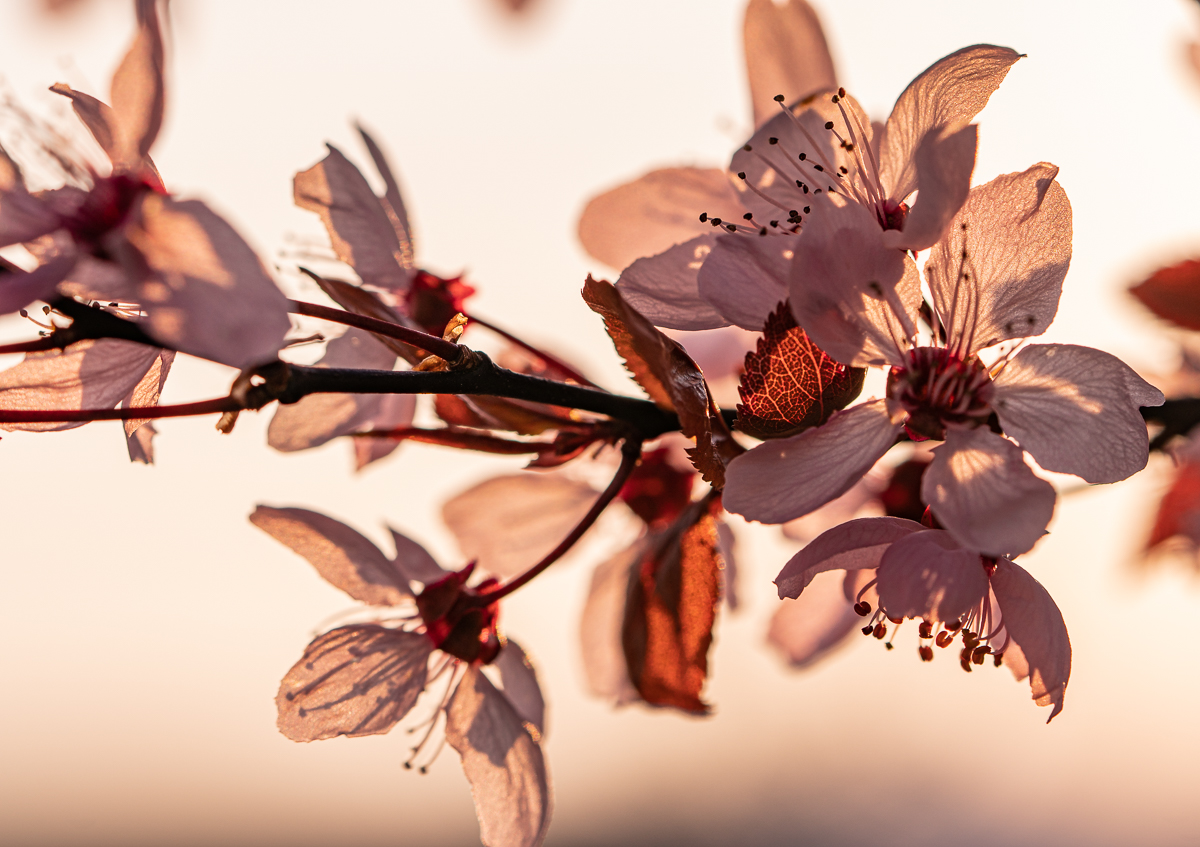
point(372, 235)
point(996, 276)
point(824, 145)
point(202, 288)
point(364, 678)
point(990, 603)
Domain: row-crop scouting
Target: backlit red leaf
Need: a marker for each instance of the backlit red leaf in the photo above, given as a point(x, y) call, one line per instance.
point(789, 383)
point(1173, 294)
point(1179, 510)
point(670, 611)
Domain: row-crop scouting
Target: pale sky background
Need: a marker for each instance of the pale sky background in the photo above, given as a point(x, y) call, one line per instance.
point(144, 623)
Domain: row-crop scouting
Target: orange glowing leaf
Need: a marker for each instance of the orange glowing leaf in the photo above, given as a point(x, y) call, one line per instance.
point(1179, 510)
point(1173, 294)
point(672, 603)
point(789, 383)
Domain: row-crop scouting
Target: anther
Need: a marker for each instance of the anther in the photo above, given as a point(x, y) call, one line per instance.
point(926, 653)
point(778, 98)
point(731, 227)
point(703, 217)
point(964, 660)
point(867, 630)
point(862, 608)
point(996, 660)
point(749, 216)
point(841, 92)
point(979, 654)
point(772, 140)
point(775, 223)
point(802, 156)
point(747, 147)
point(943, 639)
point(716, 221)
point(807, 209)
point(828, 124)
point(833, 99)
point(741, 174)
point(818, 168)
point(880, 630)
point(925, 630)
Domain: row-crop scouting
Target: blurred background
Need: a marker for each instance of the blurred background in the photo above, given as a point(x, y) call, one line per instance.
point(145, 624)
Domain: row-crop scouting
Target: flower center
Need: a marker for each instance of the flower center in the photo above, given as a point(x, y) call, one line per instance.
point(938, 389)
point(104, 208)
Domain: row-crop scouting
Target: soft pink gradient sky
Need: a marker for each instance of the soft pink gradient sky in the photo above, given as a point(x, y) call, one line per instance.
point(145, 623)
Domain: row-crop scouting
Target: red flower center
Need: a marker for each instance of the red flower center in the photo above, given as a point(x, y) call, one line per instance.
point(938, 389)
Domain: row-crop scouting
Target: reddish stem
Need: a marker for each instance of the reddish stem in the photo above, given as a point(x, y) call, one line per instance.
point(37, 345)
point(447, 437)
point(631, 451)
point(135, 413)
point(448, 350)
point(550, 359)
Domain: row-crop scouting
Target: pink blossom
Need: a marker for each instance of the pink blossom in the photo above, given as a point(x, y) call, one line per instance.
point(364, 678)
point(823, 145)
point(202, 288)
point(990, 603)
point(996, 276)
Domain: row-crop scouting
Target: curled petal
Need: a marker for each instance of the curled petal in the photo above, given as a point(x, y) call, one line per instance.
point(653, 213)
point(945, 160)
point(951, 91)
point(855, 545)
point(1039, 647)
point(981, 490)
point(354, 680)
point(604, 666)
point(341, 555)
point(502, 762)
point(519, 683)
point(786, 53)
point(507, 524)
point(856, 298)
point(362, 235)
point(1075, 410)
point(786, 478)
point(86, 375)
point(392, 201)
point(206, 292)
point(998, 273)
point(745, 277)
point(929, 575)
point(808, 628)
point(146, 393)
point(665, 287)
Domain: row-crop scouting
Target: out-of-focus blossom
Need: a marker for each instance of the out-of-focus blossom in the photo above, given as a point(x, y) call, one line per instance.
point(372, 235)
point(363, 678)
point(996, 276)
point(202, 288)
point(912, 571)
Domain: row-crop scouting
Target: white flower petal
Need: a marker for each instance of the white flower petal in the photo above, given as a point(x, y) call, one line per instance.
point(952, 90)
point(855, 545)
point(745, 277)
point(502, 762)
point(654, 212)
point(786, 54)
point(1039, 647)
point(1075, 410)
point(981, 490)
point(929, 575)
point(519, 684)
point(665, 287)
point(846, 287)
point(945, 160)
point(1016, 234)
point(781, 480)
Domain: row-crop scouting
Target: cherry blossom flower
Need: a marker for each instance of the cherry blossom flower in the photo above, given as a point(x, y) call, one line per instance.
point(990, 603)
point(202, 288)
point(996, 276)
point(372, 235)
point(824, 145)
point(364, 678)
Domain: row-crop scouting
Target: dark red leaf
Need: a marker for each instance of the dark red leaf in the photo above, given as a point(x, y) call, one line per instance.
point(1179, 510)
point(789, 383)
point(1173, 294)
point(668, 375)
point(674, 590)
